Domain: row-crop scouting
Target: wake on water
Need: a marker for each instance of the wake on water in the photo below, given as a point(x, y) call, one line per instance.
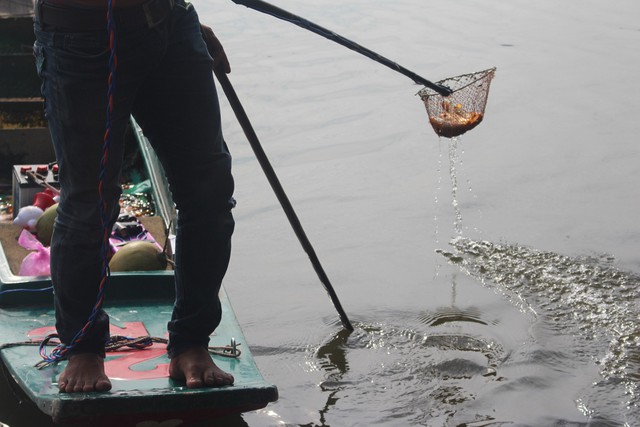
point(587, 298)
point(461, 366)
point(586, 301)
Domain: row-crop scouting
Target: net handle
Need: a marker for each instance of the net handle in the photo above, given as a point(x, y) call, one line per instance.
point(272, 10)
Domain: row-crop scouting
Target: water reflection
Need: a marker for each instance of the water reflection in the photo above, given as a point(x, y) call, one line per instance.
point(451, 315)
point(411, 375)
point(444, 315)
point(332, 358)
point(574, 357)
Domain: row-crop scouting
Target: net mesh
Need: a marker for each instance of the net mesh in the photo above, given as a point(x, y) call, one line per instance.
point(461, 111)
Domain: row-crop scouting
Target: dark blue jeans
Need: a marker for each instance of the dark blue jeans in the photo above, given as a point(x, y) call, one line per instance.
point(164, 80)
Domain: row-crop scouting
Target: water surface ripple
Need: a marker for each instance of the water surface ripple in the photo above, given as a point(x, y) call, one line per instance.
point(587, 301)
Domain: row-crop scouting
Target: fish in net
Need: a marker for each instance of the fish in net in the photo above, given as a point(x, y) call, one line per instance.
point(453, 115)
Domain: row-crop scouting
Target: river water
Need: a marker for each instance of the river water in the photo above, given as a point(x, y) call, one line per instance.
point(493, 280)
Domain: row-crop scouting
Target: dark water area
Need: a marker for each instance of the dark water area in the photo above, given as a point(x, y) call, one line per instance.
point(492, 280)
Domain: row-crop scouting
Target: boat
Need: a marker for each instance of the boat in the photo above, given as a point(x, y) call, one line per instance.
point(139, 303)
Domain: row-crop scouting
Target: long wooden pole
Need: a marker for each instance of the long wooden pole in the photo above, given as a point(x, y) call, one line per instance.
point(279, 191)
point(269, 9)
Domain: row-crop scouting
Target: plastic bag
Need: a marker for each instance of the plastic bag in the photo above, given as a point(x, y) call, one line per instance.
point(36, 263)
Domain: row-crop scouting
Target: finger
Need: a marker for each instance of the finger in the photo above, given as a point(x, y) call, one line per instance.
point(215, 49)
point(222, 61)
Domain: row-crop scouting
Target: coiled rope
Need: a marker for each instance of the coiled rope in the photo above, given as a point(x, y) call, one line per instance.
point(117, 342)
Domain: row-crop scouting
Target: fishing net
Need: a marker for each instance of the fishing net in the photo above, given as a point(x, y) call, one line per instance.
point(461, 111)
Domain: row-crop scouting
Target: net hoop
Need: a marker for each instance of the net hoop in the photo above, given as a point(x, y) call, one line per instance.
point(463, 110)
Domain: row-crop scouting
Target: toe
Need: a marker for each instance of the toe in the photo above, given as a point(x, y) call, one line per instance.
point(230, 379)
point(78, 386)
point(103, 385)
point(69, 385)
point(210, 379)
point(216, 377)
point(194, 381)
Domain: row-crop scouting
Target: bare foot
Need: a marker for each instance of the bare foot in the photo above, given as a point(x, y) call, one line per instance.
point(195, 366)
point(84, 373)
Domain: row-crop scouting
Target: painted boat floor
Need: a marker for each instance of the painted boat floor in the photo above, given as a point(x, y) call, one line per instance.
point(142, 390)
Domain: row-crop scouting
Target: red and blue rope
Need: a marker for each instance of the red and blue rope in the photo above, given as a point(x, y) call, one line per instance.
point(61, 350)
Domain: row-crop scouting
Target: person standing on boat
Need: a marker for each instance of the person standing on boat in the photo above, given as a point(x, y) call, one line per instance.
point(164, 79)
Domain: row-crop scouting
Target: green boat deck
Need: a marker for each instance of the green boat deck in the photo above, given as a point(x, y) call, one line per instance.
point(142, 390)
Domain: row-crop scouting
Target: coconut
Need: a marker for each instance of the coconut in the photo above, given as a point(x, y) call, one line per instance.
point(138, 255)
point(44, 226)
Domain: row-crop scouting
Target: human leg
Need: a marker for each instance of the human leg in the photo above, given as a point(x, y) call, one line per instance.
point(179, 113)
point(74, 74)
